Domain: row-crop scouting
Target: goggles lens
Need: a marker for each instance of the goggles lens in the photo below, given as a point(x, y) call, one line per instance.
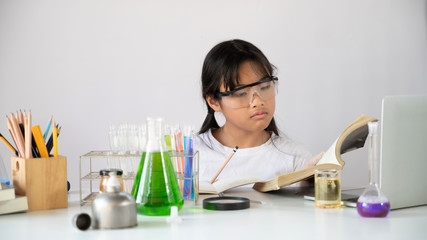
point(243, 96)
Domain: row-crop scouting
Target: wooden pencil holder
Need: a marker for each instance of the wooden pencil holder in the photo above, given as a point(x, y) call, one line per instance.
point(42, 180)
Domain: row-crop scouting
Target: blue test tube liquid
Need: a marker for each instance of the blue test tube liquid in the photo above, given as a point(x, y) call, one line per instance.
point(188, 171)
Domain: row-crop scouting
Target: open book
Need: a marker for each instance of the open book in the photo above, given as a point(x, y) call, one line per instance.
point(353, 137)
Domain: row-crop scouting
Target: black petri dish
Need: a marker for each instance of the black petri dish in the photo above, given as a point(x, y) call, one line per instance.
point(226, 203)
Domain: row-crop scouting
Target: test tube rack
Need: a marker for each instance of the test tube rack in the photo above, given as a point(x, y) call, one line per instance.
point(92, 162)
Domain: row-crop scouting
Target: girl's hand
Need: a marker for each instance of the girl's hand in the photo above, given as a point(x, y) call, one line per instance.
point(313, 161)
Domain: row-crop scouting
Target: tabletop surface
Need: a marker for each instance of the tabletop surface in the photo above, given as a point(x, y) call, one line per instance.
point(280, 214)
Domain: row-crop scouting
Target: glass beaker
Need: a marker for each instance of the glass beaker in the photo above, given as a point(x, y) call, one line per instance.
point(156, 188)
point(373, 202)
point(327, 188)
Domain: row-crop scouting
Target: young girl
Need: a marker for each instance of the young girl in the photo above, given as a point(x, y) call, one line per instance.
point(238, 81)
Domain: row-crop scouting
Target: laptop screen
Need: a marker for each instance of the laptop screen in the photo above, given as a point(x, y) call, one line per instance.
point(404, 150)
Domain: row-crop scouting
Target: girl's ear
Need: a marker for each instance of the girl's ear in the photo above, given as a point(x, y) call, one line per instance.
point(214, 104)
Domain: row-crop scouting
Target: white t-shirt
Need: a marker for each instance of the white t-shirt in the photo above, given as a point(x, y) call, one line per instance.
point(279, 155)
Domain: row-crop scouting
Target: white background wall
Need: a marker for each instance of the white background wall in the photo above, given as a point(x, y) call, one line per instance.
point(91, 63)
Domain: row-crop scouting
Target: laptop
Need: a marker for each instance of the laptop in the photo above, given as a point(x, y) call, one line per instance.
point(403, 153)
point(404, 150)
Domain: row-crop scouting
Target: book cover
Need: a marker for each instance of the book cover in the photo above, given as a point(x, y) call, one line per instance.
point(17, 204)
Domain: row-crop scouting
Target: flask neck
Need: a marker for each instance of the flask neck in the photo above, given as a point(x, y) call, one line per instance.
point(155, 137)
point(374, 163)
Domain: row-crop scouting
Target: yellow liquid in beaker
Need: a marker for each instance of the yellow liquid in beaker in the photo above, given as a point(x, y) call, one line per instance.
point(327, 192)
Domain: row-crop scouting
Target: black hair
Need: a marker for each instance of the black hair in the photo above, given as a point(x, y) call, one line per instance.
point(221, 68)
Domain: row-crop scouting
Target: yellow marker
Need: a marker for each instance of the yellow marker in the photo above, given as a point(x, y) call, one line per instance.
point(38, 137)
point(55, 140)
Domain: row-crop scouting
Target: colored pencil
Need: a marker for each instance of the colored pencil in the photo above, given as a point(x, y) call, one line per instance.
point(27, 121)
point(49, 144)
point(21, 117)
point(46, 132)
point(9, 127)
point(8, 144)
point(225, 163)
point(16, 134)
point(55, 140)
point(34, 148)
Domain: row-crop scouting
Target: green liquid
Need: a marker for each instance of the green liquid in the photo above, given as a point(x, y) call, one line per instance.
point(156, 188)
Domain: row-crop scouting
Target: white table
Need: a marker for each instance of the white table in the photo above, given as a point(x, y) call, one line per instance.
point(282, 215)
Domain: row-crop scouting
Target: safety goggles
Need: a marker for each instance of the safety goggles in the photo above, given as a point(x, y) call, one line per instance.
point(243, 96)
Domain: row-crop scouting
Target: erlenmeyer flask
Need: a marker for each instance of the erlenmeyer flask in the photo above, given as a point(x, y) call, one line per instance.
point(156, 188)
point(373, 202)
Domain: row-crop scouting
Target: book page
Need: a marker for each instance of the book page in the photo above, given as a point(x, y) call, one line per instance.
point(329, 156)
point(355, 139)
point(206, 187)
point(226, 183)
